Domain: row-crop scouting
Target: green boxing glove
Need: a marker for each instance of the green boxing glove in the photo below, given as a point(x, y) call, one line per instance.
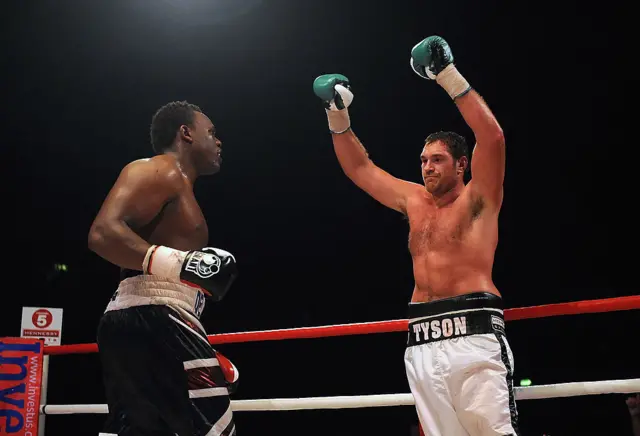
point(335, 92)
point(432, 59)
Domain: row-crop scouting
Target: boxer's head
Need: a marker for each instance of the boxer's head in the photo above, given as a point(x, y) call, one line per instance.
point(183, 127)
point(445, 158)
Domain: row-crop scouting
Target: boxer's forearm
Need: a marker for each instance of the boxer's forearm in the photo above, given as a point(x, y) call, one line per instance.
point(118, 244)
point(480, 119)
point(350, 152)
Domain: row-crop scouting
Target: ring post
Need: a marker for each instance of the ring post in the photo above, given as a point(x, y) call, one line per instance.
point(44, 323)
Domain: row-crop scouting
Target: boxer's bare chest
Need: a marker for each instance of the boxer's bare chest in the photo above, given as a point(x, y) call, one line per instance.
point(447, 228)
point(181, 224)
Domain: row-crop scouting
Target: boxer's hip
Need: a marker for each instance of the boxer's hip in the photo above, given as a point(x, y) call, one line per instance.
point(149, 290)
point(448, 318)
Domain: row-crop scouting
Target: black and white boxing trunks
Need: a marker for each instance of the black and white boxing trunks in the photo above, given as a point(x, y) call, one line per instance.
point(460, 367)
point(161, 375)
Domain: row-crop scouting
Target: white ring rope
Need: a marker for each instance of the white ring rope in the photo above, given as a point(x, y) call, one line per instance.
point(628, 386)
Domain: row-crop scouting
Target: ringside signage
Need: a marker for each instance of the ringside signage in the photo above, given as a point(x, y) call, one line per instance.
point(20, 382)
point(42, 322)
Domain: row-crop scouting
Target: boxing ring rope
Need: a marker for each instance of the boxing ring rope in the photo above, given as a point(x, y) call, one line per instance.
point(401, 325)
point(385, 400)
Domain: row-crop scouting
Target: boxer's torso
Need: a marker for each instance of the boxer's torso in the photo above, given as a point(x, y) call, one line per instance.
point(452, 246)
point(180, 224)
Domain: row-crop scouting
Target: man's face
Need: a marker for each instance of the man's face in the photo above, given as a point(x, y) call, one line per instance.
point(440, 171)
point(207, 149)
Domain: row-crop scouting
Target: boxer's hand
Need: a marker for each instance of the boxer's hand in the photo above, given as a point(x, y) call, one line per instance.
point(335, 92)
point(213, 270)
point(430, 56)
point(633, 403)
point(432, 59)
point(231, 374)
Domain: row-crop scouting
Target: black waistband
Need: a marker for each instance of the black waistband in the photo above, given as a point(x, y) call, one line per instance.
point(474, 300)
point(448, 318)
point(443, 327)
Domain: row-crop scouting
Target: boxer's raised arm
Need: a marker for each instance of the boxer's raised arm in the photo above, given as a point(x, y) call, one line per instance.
point(488, 157)
point(142, 189)
point(432, 59)
point(335, 92)
point(379, 184)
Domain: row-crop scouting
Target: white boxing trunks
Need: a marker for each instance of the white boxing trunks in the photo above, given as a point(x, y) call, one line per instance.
point(460, 367)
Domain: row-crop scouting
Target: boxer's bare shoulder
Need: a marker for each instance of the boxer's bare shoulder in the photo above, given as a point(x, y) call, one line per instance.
point(176, 219)
point(163, 169)
point(142, 188)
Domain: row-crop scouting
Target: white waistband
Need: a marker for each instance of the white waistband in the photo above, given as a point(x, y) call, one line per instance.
point(146, 289)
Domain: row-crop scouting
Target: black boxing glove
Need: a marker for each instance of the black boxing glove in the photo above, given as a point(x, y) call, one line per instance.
point(211, 269)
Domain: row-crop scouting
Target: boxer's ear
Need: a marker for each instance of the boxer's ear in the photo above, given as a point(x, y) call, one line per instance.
point(185, 133)
point(462, 165)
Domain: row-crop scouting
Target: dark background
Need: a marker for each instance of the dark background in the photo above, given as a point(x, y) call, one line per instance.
point(81, 81)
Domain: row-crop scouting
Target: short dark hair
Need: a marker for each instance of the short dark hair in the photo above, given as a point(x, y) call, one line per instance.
point(455, 143)
point(166, 122)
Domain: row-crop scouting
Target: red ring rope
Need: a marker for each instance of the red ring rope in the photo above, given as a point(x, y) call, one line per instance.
point(546, 310)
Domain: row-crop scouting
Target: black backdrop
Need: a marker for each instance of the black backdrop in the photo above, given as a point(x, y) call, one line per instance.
point(82, 80)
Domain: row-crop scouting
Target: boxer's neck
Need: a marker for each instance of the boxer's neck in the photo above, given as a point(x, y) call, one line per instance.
point(448, 197)
point(185, 163)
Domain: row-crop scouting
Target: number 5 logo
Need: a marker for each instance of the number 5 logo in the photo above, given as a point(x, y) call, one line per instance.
point(42, 318)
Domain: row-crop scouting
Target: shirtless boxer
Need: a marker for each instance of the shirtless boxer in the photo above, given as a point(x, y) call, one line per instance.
point(459, 364)
point(161, 375)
